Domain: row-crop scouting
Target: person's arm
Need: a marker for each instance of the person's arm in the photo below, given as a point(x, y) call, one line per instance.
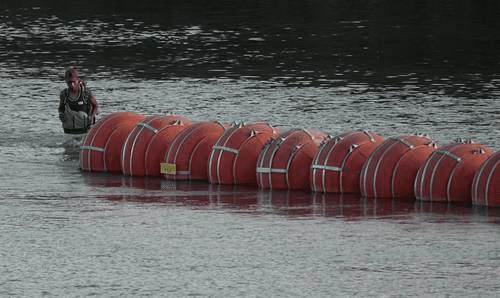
point(61, 106)
point(94, 107)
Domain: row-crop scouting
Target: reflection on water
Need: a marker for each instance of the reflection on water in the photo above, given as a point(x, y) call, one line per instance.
point(292, 204)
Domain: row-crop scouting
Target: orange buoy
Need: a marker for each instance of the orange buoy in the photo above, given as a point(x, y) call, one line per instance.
point(391, 168)
point(114, 146)
point(486, 183)
point(337, 164)
point(447, 173)
point(233, 157)
point(285, 160)
point(134, 148)
point(158, 147)
point(92, 149)
point(190, 150)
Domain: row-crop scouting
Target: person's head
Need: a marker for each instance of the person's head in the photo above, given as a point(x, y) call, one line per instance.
point(72, 77)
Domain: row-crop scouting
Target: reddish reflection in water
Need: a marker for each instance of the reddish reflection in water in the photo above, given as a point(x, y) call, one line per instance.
point(445, 211)
point(297, 204)
point(293, 204)
point(234, 197)
point(354, 206)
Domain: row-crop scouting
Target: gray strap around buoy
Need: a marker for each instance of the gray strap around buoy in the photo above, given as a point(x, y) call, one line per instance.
point(225, 148)
point(271, 170)
point(154, 130)
point(328, 168)
point(449, 154)
point(93, 148)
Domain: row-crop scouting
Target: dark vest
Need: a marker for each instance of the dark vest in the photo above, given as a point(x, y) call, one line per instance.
point(76, 112)
point(81, 103)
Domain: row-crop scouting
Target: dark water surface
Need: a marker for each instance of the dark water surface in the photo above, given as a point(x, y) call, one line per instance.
point(68, 233)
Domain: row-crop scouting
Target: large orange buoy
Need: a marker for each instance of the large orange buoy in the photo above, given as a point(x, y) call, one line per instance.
point(448, 172)
point(190, 150)
point(337, 164)
point(233, 157)
point(92, 149)
point(391, 168)
point(285, 160)
point(158, 147)
point(134, 149)
point(114, 146)
point(486, 183)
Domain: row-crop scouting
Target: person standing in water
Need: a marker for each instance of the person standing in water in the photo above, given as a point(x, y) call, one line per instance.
point(77, 106)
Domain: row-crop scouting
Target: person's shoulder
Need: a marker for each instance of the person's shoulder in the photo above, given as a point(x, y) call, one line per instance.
point(64, 92)
point(86, 90)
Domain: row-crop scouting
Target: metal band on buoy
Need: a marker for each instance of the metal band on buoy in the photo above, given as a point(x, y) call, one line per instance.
point(225, 148)
point(143, 124)
point(271, 170)
point(327, 168)
point(488, 183)
point(92, 148)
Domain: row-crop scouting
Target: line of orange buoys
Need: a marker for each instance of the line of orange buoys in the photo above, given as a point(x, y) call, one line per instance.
point(411, 166)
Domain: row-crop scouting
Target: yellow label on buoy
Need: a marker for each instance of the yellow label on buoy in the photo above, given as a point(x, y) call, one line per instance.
point(167, 168)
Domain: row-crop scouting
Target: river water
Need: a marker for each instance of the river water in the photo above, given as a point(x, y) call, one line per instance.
point(64, 232)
